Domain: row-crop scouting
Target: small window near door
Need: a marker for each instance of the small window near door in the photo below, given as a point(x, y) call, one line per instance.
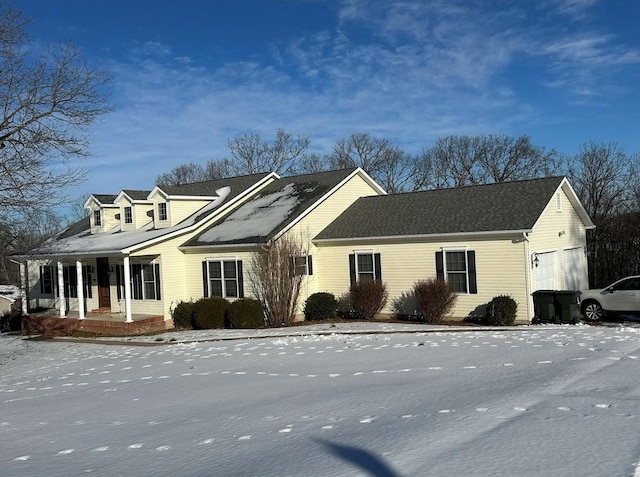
point(46, 280)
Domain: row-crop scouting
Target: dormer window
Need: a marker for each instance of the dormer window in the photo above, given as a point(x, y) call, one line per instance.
point(128, 216)
point(97, 218)
point(162, 211)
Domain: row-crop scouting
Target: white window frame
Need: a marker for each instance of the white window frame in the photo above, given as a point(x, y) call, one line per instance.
point(144, 279)
point(51, 280)
point(97, 218)
point(223, 279)
point(373, 264)
point(127, 213)
point(163, 209)
point(462, 250)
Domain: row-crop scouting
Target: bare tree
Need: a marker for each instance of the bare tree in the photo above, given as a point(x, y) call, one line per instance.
point(389, 165)
point(276, 280)
point(182, 174)
point(250, 154)
point(603, 176)
point(47, 104)
point(467, 160)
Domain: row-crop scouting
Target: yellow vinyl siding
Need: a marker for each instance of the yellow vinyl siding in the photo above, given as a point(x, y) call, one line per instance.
point(141, 215)
point(498, 269)
point(178, 210)
point(323, 215)
point(556, 231)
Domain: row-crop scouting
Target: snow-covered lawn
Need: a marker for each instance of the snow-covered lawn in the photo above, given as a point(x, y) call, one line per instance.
point(539, 401)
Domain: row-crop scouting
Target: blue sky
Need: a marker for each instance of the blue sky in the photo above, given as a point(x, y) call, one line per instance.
point(188, 75)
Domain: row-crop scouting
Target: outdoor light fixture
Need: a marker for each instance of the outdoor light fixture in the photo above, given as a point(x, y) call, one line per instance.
point(535, 261)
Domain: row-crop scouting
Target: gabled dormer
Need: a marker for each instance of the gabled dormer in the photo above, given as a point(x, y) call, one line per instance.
point(103, 213)
point(135, 209)
point(173, 204)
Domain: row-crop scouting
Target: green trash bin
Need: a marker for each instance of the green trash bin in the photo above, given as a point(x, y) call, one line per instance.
point(544, 306)
point(556, 306)
point(568, 302)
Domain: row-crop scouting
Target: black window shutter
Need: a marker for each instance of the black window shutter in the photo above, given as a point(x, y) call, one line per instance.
point(471, 263)
point(205, 279)
point(440, 265)
point(240, 279)
point(157, 274)
point(352, 268)
point(377, 268)
point(119, 282)
point(310, 264)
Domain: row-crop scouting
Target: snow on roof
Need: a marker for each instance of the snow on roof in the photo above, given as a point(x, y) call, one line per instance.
point(256, 218)
point(115, 240)
point(10, 292)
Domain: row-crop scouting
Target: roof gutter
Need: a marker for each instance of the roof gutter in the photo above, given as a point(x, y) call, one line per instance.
point(423, 236)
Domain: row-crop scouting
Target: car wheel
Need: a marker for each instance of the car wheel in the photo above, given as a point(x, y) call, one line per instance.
point(592, 311)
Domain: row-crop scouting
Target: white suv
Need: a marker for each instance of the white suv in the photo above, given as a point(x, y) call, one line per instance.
point(621, 297)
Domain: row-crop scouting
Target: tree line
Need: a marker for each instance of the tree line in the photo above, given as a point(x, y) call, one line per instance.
point(605, 177)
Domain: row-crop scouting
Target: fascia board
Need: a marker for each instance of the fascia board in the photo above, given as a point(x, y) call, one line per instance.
point(191, 228)
point(425, 236)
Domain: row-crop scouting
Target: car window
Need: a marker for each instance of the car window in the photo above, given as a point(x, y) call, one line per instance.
point(630, 284)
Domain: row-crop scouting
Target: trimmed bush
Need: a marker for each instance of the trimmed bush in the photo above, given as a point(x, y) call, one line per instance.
point(405, 307)
point(210, 312)
point(368, 297)
point(434, 299)
point(183, 315)
point(345, 307)
point(320, 306)
point(246, 313)
point(501, 311)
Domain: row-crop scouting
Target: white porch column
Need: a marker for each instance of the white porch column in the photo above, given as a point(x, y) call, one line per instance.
point(127, 290)
point(81, 315)
point(23, 287)
point(61, 290)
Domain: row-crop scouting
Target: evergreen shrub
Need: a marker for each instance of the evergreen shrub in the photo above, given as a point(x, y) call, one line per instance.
point(183, 315)
point(210, 312)
point(246, 313)
point(320, 306)
point(501, 311)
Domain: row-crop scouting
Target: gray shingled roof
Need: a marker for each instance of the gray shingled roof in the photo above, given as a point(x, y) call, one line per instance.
point(271, 210)
point(507, 206)
point(105, 198)
point(208, 188)
point(137, 194)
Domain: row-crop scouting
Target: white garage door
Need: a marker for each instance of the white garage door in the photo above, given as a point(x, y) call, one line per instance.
point(574, 276)
point(546, 276)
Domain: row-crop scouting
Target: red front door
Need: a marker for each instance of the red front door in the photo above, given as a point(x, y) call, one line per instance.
point(104, 291)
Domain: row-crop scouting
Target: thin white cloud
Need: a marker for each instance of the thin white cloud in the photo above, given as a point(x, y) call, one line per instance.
point(425, 69)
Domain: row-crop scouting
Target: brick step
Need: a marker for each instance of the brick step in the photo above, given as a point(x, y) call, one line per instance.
point(102, 311)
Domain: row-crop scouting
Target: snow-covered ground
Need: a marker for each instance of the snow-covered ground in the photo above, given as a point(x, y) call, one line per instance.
point(536, 401)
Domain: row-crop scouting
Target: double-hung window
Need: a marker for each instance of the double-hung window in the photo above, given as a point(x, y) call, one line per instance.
point(145, 281)
point(162, 211)
point(128, 215)
point(223, 278)
point(458, 268)
point(303, 265)
point(97, 218)
point(365, 265)
point(46, 280)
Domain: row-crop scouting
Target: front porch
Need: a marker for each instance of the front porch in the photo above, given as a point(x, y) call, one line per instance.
point(99, 324)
